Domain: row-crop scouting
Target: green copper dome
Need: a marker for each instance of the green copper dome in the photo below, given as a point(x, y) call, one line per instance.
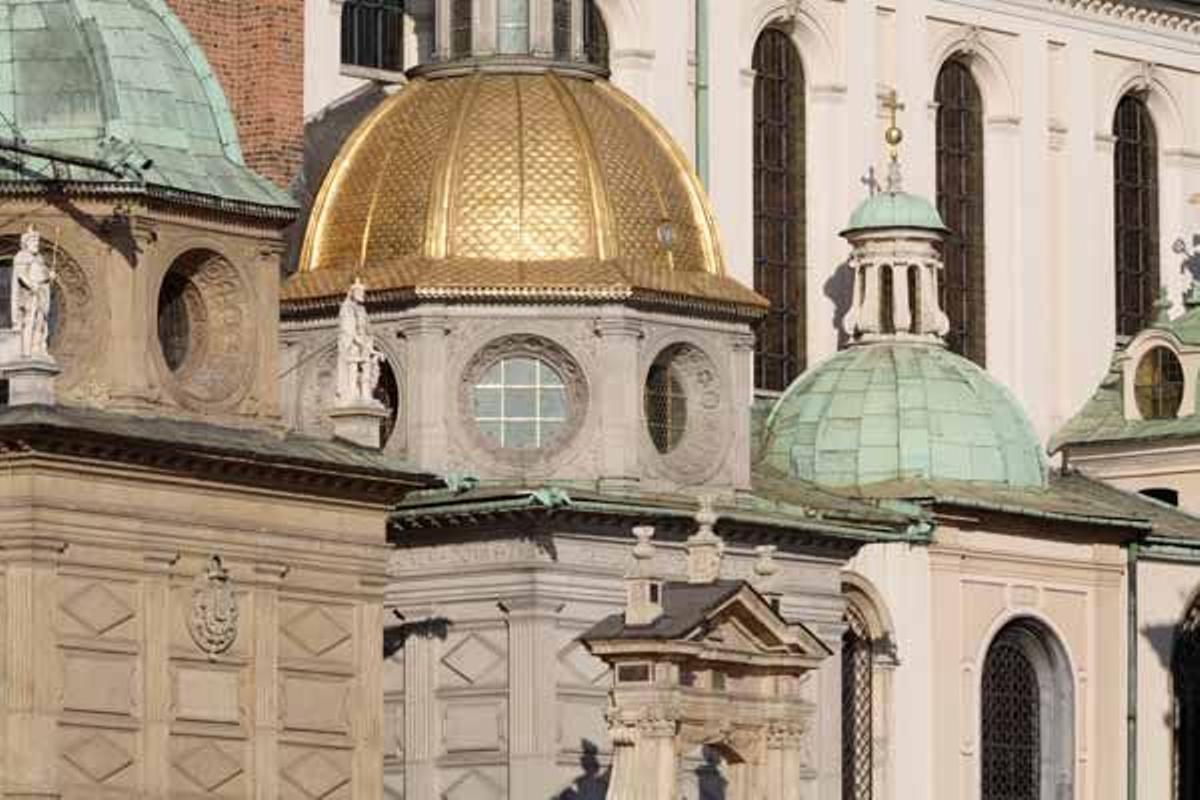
point(895, 209)
point(899, 410)
point(121, 82)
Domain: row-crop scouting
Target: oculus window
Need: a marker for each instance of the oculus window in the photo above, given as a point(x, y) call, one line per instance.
point(520, 403)
point(373, 34)
point(1158, 384)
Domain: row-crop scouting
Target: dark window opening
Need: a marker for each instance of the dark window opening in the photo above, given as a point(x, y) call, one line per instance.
point(595, 35)
point(460, 29)
point(1135, 206)
point(562, 29)
point(373, 34)
point(387, 392)
point(779, 212)
point(857, 709)
point(960, 200)
point(665, 405)
point(1185, 670)
point(1011, 723)
point(174, 323)
point(1162, 495)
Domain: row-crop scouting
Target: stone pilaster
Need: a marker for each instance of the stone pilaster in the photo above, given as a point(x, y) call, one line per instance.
point(366, 722)
point(269, 576)
point(619, 400)
point(532, 695)
point(420, 720)
point(30, 686)
point(156, 671)
point(429, 398)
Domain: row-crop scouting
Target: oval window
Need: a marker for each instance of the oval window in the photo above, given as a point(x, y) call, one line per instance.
point(1158, 384)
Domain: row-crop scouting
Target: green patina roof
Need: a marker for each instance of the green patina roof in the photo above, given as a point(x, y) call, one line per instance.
point(895, 210)
point(891, 410)
point(91, 77)
point(1102, 418)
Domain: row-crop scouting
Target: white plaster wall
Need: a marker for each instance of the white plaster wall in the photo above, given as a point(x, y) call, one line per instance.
point(1050, 75)
point(1165, 590)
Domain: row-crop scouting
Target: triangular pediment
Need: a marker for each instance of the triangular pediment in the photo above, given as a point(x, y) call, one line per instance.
point(745, 625)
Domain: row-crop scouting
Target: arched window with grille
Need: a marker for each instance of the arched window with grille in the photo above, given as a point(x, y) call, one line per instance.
point(1135, 206)
point(779, 212)
point(373, 34)
point(858, 708)
point(460, 28)
point(1026, 716)
point(1185, 668)
point(595, 35)
point(960, 199)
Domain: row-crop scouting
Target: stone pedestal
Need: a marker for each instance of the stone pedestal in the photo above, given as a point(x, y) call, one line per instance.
point(359, 424)
point(31, 382)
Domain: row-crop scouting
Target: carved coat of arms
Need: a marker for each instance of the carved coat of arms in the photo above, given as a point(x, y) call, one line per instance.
point(214, 619)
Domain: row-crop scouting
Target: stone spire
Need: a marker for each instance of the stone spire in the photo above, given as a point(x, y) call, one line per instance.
point(895, 260)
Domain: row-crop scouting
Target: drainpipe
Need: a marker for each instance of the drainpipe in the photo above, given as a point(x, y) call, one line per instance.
point(1131, 656)
point(702, 90)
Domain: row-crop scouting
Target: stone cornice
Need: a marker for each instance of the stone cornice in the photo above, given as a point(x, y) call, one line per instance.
point(1136, 13)
point(31, 441)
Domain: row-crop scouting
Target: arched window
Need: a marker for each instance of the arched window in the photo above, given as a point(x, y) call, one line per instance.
point(460, 28)
point(1026, 716)
point(779, 213)
point(960, 201)
point(1135, 203)
point(595, 35)
point(373, 34)
point(858, 708)
point(1186, 674)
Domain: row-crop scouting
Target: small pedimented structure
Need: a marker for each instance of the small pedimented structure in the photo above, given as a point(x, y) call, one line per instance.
point(718, 667)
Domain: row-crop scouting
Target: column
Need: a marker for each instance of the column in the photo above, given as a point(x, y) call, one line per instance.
point(156, 671)
point(619, 399)
point(420, 723)
point(541, 28)
point(31, 693)
point(265, 733)
point(659, 735)
point(532, 695)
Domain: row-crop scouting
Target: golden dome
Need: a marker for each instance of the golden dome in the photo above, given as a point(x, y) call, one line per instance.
point(528, 184)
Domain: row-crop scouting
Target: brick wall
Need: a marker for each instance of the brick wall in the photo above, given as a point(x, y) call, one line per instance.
point(257, 50)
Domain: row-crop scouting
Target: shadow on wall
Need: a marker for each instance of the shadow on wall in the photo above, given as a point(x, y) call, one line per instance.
point(592, 784)
point(839, 289)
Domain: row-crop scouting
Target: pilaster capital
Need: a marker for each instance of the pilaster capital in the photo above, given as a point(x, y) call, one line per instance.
point(270, 572)
point(42, 549)
point(160, 561)
point(618, 327)
point(418, 326)
point(530, 606)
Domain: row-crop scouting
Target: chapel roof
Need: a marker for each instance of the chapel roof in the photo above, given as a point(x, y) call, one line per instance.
point(530, 185)
point(122, 85)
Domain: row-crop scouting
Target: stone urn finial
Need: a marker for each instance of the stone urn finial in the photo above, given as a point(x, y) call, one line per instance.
point(704, 548)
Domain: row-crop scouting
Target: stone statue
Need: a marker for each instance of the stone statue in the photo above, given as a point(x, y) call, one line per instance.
point(358, 357)
point(31, 286)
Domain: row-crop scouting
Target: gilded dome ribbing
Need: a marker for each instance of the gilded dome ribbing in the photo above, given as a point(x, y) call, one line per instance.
point(523, 183)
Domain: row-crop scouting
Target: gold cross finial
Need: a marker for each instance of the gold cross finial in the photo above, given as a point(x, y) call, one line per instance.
point(893, 136)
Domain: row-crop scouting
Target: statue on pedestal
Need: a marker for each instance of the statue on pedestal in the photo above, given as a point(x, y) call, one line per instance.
point(31, 286)
point(358, 356)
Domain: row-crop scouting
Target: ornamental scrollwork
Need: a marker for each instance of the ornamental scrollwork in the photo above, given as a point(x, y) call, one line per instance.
point(214, 619)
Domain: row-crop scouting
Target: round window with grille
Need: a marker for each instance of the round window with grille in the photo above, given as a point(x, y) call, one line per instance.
point(1158, 384)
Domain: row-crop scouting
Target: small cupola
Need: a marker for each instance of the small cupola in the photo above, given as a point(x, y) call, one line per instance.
point(896, 264)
